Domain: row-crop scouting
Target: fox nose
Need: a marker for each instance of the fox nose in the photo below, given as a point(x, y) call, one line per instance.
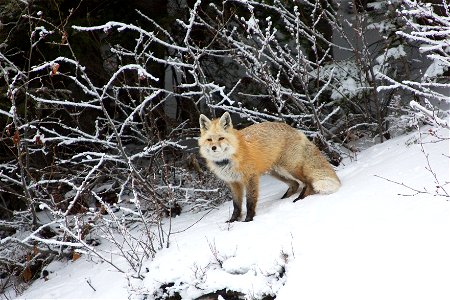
point(213, 148)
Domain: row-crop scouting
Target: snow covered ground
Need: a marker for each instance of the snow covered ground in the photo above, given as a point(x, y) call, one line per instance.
point(364, 242)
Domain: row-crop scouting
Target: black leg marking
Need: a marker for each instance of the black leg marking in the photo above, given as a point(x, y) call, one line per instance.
point(237, 190)
point(301, 196)
point(252, 198)
point(250, 215)
point(236, 212)
point(293, 184)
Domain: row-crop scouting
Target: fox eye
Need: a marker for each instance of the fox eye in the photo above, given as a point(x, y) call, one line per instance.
point(209, 140)
point(221, 139)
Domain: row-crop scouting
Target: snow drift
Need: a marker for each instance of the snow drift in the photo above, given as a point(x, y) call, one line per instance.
point(383, 235)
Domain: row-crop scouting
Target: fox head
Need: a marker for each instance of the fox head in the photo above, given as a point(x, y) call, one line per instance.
point(217, 138)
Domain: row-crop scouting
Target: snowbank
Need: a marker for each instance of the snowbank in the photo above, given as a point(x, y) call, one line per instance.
point(373, 239)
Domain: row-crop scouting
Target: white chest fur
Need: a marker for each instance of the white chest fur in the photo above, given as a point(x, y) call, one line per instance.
point(225, 172)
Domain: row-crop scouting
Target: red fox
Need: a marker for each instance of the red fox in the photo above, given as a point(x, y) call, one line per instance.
point(240, 157)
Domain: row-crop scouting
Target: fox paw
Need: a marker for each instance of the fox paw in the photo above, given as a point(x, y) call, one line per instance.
point(249, 217)
point(233, 219)
point(301, 196)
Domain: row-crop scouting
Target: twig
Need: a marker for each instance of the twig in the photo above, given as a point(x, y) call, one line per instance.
point(439, 186)
point(183, 230)
point(88, 280)
point(404, 185)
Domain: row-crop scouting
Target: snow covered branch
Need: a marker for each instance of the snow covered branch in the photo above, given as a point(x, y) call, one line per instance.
point(430, 115)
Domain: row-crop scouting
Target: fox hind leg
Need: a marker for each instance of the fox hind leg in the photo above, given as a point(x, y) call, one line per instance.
point(307, 190)
point(322, 186)
point(293, 184)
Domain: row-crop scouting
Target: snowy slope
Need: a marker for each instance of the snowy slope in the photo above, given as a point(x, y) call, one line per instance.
point(363, 242)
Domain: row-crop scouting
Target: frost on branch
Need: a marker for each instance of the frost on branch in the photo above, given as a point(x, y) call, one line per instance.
point(428, 28)
point(97, 160)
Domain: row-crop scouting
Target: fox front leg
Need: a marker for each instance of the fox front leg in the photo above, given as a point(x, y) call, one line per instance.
point(252, 197)
point(237, 189)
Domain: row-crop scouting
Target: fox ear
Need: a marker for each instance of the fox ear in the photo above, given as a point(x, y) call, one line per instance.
point(225, 121)
point(204, 122)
